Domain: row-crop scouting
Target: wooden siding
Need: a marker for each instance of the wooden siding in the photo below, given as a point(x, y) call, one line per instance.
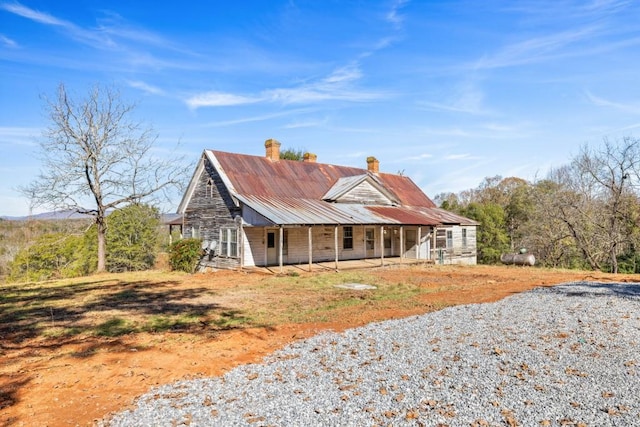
point(365, 194)
point(210, 209)
point(457, 253)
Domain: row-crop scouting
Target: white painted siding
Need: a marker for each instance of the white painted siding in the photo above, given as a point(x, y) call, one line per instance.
point(254, 246)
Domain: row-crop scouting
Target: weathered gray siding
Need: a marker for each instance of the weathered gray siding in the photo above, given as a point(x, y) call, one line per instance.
point(365, 194)
point(210, 209)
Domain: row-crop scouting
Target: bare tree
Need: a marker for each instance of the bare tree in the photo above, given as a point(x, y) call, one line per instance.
point(95, 158)
point(612, 171)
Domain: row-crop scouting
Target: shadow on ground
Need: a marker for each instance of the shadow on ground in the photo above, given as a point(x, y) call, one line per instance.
point(596, 289)
point(39, 318)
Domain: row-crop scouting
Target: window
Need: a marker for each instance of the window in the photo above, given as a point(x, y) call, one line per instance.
point(209, 188)
point(449, 238)
point(464, 238)
point(233, 242)
point(224, 242)
point(228, 242)
point(271, 240)
point(347, 237)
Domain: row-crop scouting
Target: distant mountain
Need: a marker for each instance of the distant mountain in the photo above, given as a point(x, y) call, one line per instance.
point(60, 215)
point(48, 216)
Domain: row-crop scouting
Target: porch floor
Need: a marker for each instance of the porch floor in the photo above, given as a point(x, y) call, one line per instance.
point(355, 264)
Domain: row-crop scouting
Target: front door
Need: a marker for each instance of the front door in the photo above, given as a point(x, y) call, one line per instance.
point(387, 242)
point(410, 243)
point(370, 242)
point(272, 249)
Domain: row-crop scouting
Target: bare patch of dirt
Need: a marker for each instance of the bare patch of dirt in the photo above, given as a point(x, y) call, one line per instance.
point(49, 381)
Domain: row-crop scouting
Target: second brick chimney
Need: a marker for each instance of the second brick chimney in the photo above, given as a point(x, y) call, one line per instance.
point(309, 158)
point(373, 165)
point(273, 149)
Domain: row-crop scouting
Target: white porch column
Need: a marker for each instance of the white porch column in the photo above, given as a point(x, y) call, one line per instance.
point(240, 244)
point(419, 242)
point(335, 236)
point(401, 243)
point(310, 247)
point(280, 248)
point(382, 245)
point(433, 247)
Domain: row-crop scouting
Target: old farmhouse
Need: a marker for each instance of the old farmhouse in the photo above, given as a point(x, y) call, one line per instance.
point(265, 211)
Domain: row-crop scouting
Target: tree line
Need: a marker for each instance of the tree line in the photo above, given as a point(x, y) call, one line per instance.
point(583, 214)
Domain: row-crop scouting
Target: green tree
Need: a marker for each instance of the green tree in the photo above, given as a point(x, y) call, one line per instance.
point(292, 154)
point(132, 238)
point(492, 237)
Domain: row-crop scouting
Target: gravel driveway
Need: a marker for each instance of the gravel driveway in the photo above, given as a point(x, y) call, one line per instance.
point(562, 356)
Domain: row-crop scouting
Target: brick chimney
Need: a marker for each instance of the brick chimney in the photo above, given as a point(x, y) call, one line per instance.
point(309, 158)
point(373, 165)
point(273, 149)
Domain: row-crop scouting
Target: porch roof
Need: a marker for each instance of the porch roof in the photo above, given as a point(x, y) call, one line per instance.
point(295, 211)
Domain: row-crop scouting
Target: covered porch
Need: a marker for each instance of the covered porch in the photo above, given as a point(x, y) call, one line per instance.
point(356, 264)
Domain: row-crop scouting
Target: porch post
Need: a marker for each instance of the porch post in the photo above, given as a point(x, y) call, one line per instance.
point(335, 236)
point(382, 245)
point(364, 241)
point(240, 244)
point(401, 243)
point(280, 248)
point(310, 248)
point(419, 242)
point(433, 248)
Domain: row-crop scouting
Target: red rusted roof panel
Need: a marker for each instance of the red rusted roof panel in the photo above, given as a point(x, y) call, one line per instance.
point(259, 176)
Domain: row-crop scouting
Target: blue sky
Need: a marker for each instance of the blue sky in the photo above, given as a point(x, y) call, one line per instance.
point(448, 92)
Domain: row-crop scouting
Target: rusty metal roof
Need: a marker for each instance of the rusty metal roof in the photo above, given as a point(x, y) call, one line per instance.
point(259, 176)
point(288, 192)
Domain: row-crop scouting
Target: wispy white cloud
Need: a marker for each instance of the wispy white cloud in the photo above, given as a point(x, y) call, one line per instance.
point(394, 16)
point(606, 6)
point(467, 97)
point(306, 124)
point(259, 118)
point(7, 42)
point(219, 99)
point(34, 15)
point(90, 37)
point(147, 88)
point(335, 86)
point(465, 156)
point(418, 158)
point(633, 108)
point(19, 135)
point(536, 49)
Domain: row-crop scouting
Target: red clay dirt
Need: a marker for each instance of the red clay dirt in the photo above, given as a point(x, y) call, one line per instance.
point(42, 384)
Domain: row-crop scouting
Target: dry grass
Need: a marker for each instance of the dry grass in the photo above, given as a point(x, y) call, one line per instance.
point(130, 303)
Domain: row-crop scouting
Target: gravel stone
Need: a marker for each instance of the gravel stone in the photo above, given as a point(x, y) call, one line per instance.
point(556, 356)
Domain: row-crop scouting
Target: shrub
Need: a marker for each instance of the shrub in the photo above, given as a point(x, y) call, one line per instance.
point(52, 256)
point(185, 254)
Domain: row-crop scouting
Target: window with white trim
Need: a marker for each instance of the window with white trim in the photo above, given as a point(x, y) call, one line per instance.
point(449, 238)
point(464, 238)
point(229, 242)
point(347, 237)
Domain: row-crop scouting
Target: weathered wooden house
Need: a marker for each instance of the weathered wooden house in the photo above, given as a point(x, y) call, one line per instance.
point(265, 211)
